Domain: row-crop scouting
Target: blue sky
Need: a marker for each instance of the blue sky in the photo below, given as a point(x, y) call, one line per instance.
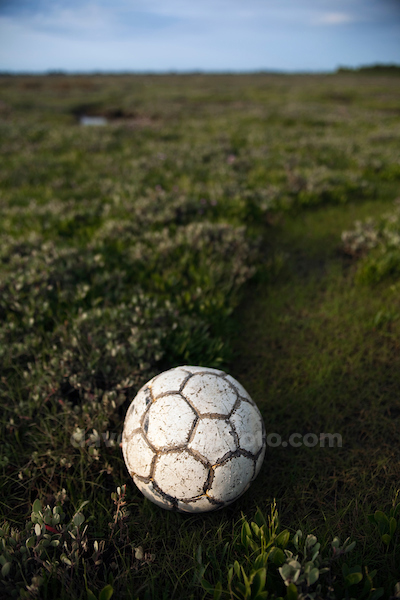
point(187, 35)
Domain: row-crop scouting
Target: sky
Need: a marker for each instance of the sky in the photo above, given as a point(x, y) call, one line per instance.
point(197, 35)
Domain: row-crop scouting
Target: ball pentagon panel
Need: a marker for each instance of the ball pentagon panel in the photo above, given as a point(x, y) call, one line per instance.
point(232, 478)
point(210, 394)
point(213, 439)
point(193, 439)
point(168, 382)
point(246, 419)
point(136, 410)
point(138, 455)
point(169, 422)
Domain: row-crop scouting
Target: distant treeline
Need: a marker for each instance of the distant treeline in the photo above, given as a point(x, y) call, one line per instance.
point(373, 69)
point(390, 69)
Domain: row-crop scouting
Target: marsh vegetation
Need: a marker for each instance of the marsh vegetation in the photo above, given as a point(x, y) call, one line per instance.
point(212, 221)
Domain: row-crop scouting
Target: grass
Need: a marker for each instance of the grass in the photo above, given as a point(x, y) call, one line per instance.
point(202, 225)
point(323, 362)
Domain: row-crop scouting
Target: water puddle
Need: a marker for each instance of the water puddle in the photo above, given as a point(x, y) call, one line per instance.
point(86, 120)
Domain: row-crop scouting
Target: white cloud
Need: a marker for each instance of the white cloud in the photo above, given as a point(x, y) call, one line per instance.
point(333, 18)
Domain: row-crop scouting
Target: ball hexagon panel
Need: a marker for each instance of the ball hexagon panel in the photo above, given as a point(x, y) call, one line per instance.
point(232, 478)
point(247, 421)
point(239, 387)
point(136, 410)
point(213, 439)
point(149, 490)
point(210, 394)
point(167, 382)
point(190, 369)
point(201, 504)
point(180, 475)
point(138, 455)
point(169, 422)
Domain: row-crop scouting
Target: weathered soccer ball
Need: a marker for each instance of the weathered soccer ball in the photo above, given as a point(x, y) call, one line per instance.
point(193, 439)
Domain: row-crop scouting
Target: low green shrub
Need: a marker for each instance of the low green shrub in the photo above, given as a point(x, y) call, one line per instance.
point(54, 552)
point(377, 243)
point(274, 564)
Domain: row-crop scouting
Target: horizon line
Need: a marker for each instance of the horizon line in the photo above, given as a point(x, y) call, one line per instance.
point(195, 71)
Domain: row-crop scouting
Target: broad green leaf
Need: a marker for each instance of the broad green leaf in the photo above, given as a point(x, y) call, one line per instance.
point(37, 506)
point(260, 519)
point(296, 538)
point(261, 561)
point(353, 578)
point(244, 537)
point(255, 528)
point(246, 529)
point(381, 518)
point(236, 568)
point(31, 542)
point(282, 539)
point(78, 519)
point(392, 526)
point(311, 540)
point(90, 595)
point(242, 588)
point(258, 583)
point(106, 593)
point(66, 560)
point(315, 554)
point(313, 576)
point(5, 569)
point(253, 545)
point(291, 592)
point(217, 591)
point(285, 571)
point(261, 596)
point(350, 547)
point(207, 586)
point(230, 575)
point(277, 556)
point(355, 569)
point(386, 539)
point(245, 578)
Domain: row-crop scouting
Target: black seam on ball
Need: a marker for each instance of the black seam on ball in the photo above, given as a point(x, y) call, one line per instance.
point(210, 479)
point(192, 431)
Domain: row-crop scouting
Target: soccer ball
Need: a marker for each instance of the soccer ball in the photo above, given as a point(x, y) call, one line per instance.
point(193, 439)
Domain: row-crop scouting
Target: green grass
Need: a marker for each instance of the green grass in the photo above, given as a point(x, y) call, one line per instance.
point(202, 225)
point(326, 359)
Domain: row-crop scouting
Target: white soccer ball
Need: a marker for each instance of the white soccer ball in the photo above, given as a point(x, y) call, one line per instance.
point(193, 439)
